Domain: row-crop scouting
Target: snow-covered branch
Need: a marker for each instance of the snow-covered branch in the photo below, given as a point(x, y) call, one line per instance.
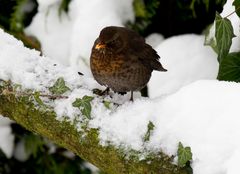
point(29, 95)
point(85, 143)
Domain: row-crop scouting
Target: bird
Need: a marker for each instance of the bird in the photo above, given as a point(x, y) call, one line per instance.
point(122, 61)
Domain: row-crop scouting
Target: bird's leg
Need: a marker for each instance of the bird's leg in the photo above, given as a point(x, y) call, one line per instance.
point(131, 98)
point(105, 92)
point(100, 92)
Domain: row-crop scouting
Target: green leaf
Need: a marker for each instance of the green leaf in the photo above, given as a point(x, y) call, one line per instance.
point(33, 144)
point(139, 8)
point(107, 104)
point(184, 155)
point(236, 3)
point(77, 103)
point(149, 131)
point(207, 3)
point(229, 69)
point(63, 7)
point(144, 12)
point(59, 87)
point(84, 105)
point(224, 34)
point(17, 17)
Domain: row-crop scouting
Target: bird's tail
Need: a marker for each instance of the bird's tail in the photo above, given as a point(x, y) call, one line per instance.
point(157, 66)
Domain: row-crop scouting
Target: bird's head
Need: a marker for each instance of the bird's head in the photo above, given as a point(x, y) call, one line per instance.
point(110, 39)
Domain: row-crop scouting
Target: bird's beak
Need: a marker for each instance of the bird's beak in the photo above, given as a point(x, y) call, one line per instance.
point(100, 45)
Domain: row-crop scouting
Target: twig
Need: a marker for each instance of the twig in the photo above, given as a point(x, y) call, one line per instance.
point(232, 12)
point(53, 96)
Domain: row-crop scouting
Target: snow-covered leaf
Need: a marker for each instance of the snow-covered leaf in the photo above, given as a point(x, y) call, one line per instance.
point(229, 69)
point(84, 105)
point(59, 87)
point(149, 131)
point(107, 104)
point(224, 34)
point(184, 155)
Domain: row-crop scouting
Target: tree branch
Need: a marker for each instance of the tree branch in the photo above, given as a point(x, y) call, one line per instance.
point(43, 121)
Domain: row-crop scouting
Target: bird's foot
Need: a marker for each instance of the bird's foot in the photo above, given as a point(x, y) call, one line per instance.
point(100, 92)
point(131, 98)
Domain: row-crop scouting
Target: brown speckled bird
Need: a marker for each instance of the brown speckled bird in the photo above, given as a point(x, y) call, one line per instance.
point(122, 61)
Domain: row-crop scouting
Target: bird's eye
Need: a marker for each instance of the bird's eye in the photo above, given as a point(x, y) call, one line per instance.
point(112, 43)
point(116, 42)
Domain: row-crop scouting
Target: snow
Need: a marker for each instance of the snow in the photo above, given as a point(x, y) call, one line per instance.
point(187, 60)
point(28, 66)
point(186, 103)
point(202, 115)
point(46, 3)
point(232, 163)
point(4, 121)
point(6, 136)
point(52, 32)
point(91, 167)
point(69, 38)
point(6, 140)
point(20, 152)
point(154, 39)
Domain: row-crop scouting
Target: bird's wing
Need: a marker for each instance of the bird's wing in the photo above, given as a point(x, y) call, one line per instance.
point(146, 54)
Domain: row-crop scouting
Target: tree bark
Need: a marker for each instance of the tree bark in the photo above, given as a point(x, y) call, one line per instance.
point(42, 120)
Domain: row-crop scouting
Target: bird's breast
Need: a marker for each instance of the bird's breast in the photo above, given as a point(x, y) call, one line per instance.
point(106, 64)
point(119, 72)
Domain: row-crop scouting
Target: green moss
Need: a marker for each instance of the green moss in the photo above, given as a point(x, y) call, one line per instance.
point(110, 159)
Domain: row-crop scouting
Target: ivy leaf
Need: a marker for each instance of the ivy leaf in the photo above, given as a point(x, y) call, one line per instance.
point(224, 34)
point(229, 68)
point(149, 131)
point(59, 87)
point(236, 3)
point(139, 8)
point(84, 105)
point(144, 12)
point(107, 104)
point(184, 155)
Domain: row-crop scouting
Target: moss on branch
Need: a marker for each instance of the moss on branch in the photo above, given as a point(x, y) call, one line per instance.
point(42, 120)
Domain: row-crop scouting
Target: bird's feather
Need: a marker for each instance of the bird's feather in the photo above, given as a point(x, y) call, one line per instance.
point(146, 54)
